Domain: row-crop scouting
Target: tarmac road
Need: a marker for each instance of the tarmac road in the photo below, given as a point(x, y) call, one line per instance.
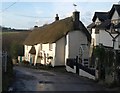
point(28, 79)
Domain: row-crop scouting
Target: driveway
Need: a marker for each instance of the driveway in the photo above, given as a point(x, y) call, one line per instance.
point(27, 79)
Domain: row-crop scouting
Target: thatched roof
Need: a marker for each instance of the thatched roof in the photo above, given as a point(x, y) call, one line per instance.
point(54, 31)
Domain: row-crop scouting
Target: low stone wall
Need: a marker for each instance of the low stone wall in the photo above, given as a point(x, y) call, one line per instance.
point(69, 69)
point(74, 67)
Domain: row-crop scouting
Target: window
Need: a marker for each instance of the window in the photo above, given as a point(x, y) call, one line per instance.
point(115, 21)
point(50, 46)
point(96, 31)
point(98, 23)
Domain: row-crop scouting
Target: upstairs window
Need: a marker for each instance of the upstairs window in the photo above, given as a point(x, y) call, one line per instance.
point(98, 23)
point(96, 31)
point(115, 21)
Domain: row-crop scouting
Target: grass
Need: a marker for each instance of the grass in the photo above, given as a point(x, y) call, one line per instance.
point(7, 40)
point(8, 75)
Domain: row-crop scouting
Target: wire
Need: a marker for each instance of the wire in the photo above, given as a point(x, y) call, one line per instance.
point(8, 7)
point(31, 16)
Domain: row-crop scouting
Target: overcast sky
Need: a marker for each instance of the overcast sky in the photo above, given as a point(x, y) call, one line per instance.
point(27, 14)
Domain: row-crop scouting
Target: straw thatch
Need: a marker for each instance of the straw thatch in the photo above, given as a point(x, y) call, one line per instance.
point(52, 32)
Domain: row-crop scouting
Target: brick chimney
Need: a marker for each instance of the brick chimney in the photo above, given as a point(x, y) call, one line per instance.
point(57, 17)
point(76, 19)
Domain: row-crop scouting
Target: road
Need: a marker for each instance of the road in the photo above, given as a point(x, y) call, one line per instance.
point(27, 79)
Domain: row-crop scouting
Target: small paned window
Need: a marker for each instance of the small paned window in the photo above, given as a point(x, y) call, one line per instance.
point(96, 31)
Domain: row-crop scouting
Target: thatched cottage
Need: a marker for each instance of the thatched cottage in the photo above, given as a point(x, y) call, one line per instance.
point(56, 42)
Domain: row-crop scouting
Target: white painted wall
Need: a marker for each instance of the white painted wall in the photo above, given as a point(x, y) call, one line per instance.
point(60, 52)
point(69, 69)
point(104, 38)
point(81, 72)
point(85, 74)
point(95, 37)
point(66, 48)
point(47, 52)
point(115, 15)
point(26, 52)
point(73, 43)
point(116, 46)
point(37, 48)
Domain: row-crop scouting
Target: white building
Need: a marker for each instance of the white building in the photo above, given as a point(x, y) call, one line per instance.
point(56, 42)
point(105, 28)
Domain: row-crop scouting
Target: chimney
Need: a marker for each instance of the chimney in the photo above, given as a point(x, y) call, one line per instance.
point(76, 16)
point(76, 19)
point(56, 18)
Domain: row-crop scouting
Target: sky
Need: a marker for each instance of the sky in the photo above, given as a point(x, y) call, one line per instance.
point(26, 14)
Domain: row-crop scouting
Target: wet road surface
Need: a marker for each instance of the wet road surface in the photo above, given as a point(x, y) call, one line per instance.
point(27, 79)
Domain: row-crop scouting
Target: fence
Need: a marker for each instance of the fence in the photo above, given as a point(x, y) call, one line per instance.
point(4, 61)
point(72, 65)
point(3, 67)
point(7, 70)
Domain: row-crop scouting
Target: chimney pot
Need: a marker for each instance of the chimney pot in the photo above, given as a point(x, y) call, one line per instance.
point(76, 20)
point(35, 26)
point(57, 17)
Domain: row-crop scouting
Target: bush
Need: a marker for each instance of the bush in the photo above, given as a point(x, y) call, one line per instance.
point(9, 73)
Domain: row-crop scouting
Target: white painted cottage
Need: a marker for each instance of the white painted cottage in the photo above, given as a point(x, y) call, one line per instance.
point(56, 42)
point(105, 28)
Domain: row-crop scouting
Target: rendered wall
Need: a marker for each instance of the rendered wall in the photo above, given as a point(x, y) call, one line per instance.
point(75, 39)
point(26, 52)
point(60, 52)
